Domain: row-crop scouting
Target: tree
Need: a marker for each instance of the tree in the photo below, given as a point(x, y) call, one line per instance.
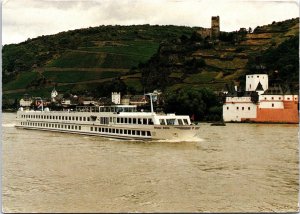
point(202, 103)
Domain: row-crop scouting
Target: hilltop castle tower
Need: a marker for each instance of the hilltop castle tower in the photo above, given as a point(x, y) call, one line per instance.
point(214, 32)
point(215, 27)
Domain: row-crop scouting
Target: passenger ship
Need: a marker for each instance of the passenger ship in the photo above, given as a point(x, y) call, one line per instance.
point(116, 121)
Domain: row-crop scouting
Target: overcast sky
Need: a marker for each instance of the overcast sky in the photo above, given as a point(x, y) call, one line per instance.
point(22, 19)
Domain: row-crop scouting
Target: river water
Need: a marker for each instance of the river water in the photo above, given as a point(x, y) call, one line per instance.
point(239, 167)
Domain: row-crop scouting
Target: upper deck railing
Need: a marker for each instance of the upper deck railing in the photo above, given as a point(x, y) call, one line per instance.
point(116, 108)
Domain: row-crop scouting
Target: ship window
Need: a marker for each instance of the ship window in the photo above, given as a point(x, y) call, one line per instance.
point(180, 121)
point(106, 129)
point(295, 98)
point(185, 121)
point(170, 121)
point(80, 118)
point(84, 118)
point(272, 104)
point(117, 131)
point(113, 130)
point(134, 120)
point(162, 122)
point(125, 120)
point(125, 131)
point(91, 128)
point(288, 98)
point(280, 98)
point(118, 120)
point(143, 133)
point(129, 120)
point(139, 121)
point(272, 98)
point(100, 130)
point(109, 130)
point(72, 127)
point(133, 132)
point(150, 122)
point(76, 118)
point(237, 108)
point(79, 127)
point(122, 120)
point(248, 108)
point(121, 131)
point(227, 108)
point(129, 132)
point(242, 108)
point(138, 132)
point(144, 121)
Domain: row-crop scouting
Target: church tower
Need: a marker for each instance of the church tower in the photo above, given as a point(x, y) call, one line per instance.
point(53, 94)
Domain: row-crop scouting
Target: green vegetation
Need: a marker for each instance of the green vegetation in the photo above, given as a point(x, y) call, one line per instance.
point(74, 59)
point(79, 76)
point(202, 104)
point(204, 77)
point(134, 85)
point(22, 81)
point(280, 62)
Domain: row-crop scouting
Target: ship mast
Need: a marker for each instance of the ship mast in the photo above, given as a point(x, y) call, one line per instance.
point(151, 101)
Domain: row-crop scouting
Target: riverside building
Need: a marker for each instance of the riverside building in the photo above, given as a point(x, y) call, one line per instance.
point(261, 103)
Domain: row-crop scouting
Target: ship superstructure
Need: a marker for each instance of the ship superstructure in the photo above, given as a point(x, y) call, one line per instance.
point(116, 121)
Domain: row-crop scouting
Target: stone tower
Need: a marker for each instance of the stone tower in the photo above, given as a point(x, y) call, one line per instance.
point(215, 27)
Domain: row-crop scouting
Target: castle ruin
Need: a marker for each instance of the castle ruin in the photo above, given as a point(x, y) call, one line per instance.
point(212, 33)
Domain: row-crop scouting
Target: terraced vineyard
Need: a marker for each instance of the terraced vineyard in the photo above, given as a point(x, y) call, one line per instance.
point(88, 59)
